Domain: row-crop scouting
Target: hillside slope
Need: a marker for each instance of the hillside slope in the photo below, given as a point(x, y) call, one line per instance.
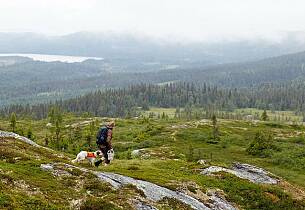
point(21, 173)
point(159, 177)
point(276, 70)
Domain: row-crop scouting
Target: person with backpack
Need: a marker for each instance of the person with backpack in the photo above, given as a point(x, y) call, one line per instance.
point(103, 141)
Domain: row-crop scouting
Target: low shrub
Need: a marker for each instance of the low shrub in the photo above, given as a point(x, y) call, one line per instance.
point(175, 204)
point(147, 144)
point(291, 161)
point(36, 203)
point(76, 172)
point(274, 125)
point(137, 190)
point(133, 168)
point(7, 178)
point(5, 201)
point(262, 145)
point(96, 186)
point(97, 204)
point(68, 181)
point(299, 140)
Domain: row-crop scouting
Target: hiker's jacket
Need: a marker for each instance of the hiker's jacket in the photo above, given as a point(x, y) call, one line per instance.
point(109, 137)
point(107, 143)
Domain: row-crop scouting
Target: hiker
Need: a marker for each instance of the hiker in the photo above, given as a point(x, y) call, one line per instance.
point(103, 141)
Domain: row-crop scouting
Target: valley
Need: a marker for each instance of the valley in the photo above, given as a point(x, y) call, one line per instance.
point(152, 105)
point(35, 80)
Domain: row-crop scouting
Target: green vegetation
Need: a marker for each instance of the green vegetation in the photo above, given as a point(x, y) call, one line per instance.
point(13, 121)
point(189, 100)
point(170, 147)
point(275, 83)
point(174, 117)
point(262, 145)
point(215, 128)
point(265, 116)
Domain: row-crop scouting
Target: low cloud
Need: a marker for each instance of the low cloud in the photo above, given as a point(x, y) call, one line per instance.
point(184, 20)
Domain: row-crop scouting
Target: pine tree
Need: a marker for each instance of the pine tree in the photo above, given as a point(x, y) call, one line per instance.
point(262, 145)
point(29, 134)
point(215, 128)
point(151, 115)
point(13, 121)
point(57, 132)
point(55, 117)
point(163, 116)
point(265, 116)
point(46, 140)
point(177, 113)
point(190, 154)
point(78, 134)
point(90, 134)
point(51, 115)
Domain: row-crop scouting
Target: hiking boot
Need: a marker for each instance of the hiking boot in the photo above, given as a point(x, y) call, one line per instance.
point(97, 163)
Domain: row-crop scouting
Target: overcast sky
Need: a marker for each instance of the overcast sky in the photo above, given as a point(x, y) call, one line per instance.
point(171, 19)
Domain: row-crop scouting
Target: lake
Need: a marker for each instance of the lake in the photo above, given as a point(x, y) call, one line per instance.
point(51, 58)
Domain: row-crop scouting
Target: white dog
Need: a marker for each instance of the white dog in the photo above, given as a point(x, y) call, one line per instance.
point(90, 156)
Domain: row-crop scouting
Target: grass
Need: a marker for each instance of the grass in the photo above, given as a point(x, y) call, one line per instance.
point(245, 113)
point(173, 147)
point(170, 112)
point(273, 115)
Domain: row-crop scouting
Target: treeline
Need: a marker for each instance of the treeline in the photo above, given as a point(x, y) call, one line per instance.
point(129, 101)
point(36, 82)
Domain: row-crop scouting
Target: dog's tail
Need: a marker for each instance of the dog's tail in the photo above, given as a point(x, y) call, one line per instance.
point(73, 161)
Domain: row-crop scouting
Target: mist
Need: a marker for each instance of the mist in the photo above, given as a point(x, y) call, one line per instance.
point(182, 21)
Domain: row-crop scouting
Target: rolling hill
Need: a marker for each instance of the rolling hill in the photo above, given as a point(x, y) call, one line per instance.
point(41, 81)
point(154, 171)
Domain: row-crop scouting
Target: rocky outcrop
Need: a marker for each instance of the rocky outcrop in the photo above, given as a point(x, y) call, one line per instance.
point(4, 134)
point(140, 205)
point(244, 171)
point(140, 153)
point(218, 200)
point(55, 172)
point(152, 192)
point(137, 153)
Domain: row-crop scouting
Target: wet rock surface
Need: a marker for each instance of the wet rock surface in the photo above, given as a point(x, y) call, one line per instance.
point(218, 200)
point(137, 153)
point(55, 172)
point(213, 198)
point(5, 134)
point(140, 205)
point(244, 171)
point(153, 192)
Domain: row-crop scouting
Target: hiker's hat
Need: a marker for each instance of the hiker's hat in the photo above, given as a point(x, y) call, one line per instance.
point(111, 124)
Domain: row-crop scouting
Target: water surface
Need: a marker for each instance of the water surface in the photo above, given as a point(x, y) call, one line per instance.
point(51, 58)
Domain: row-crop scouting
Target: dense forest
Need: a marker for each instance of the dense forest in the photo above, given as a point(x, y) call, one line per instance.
point(124, 102)
point(36, 82)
